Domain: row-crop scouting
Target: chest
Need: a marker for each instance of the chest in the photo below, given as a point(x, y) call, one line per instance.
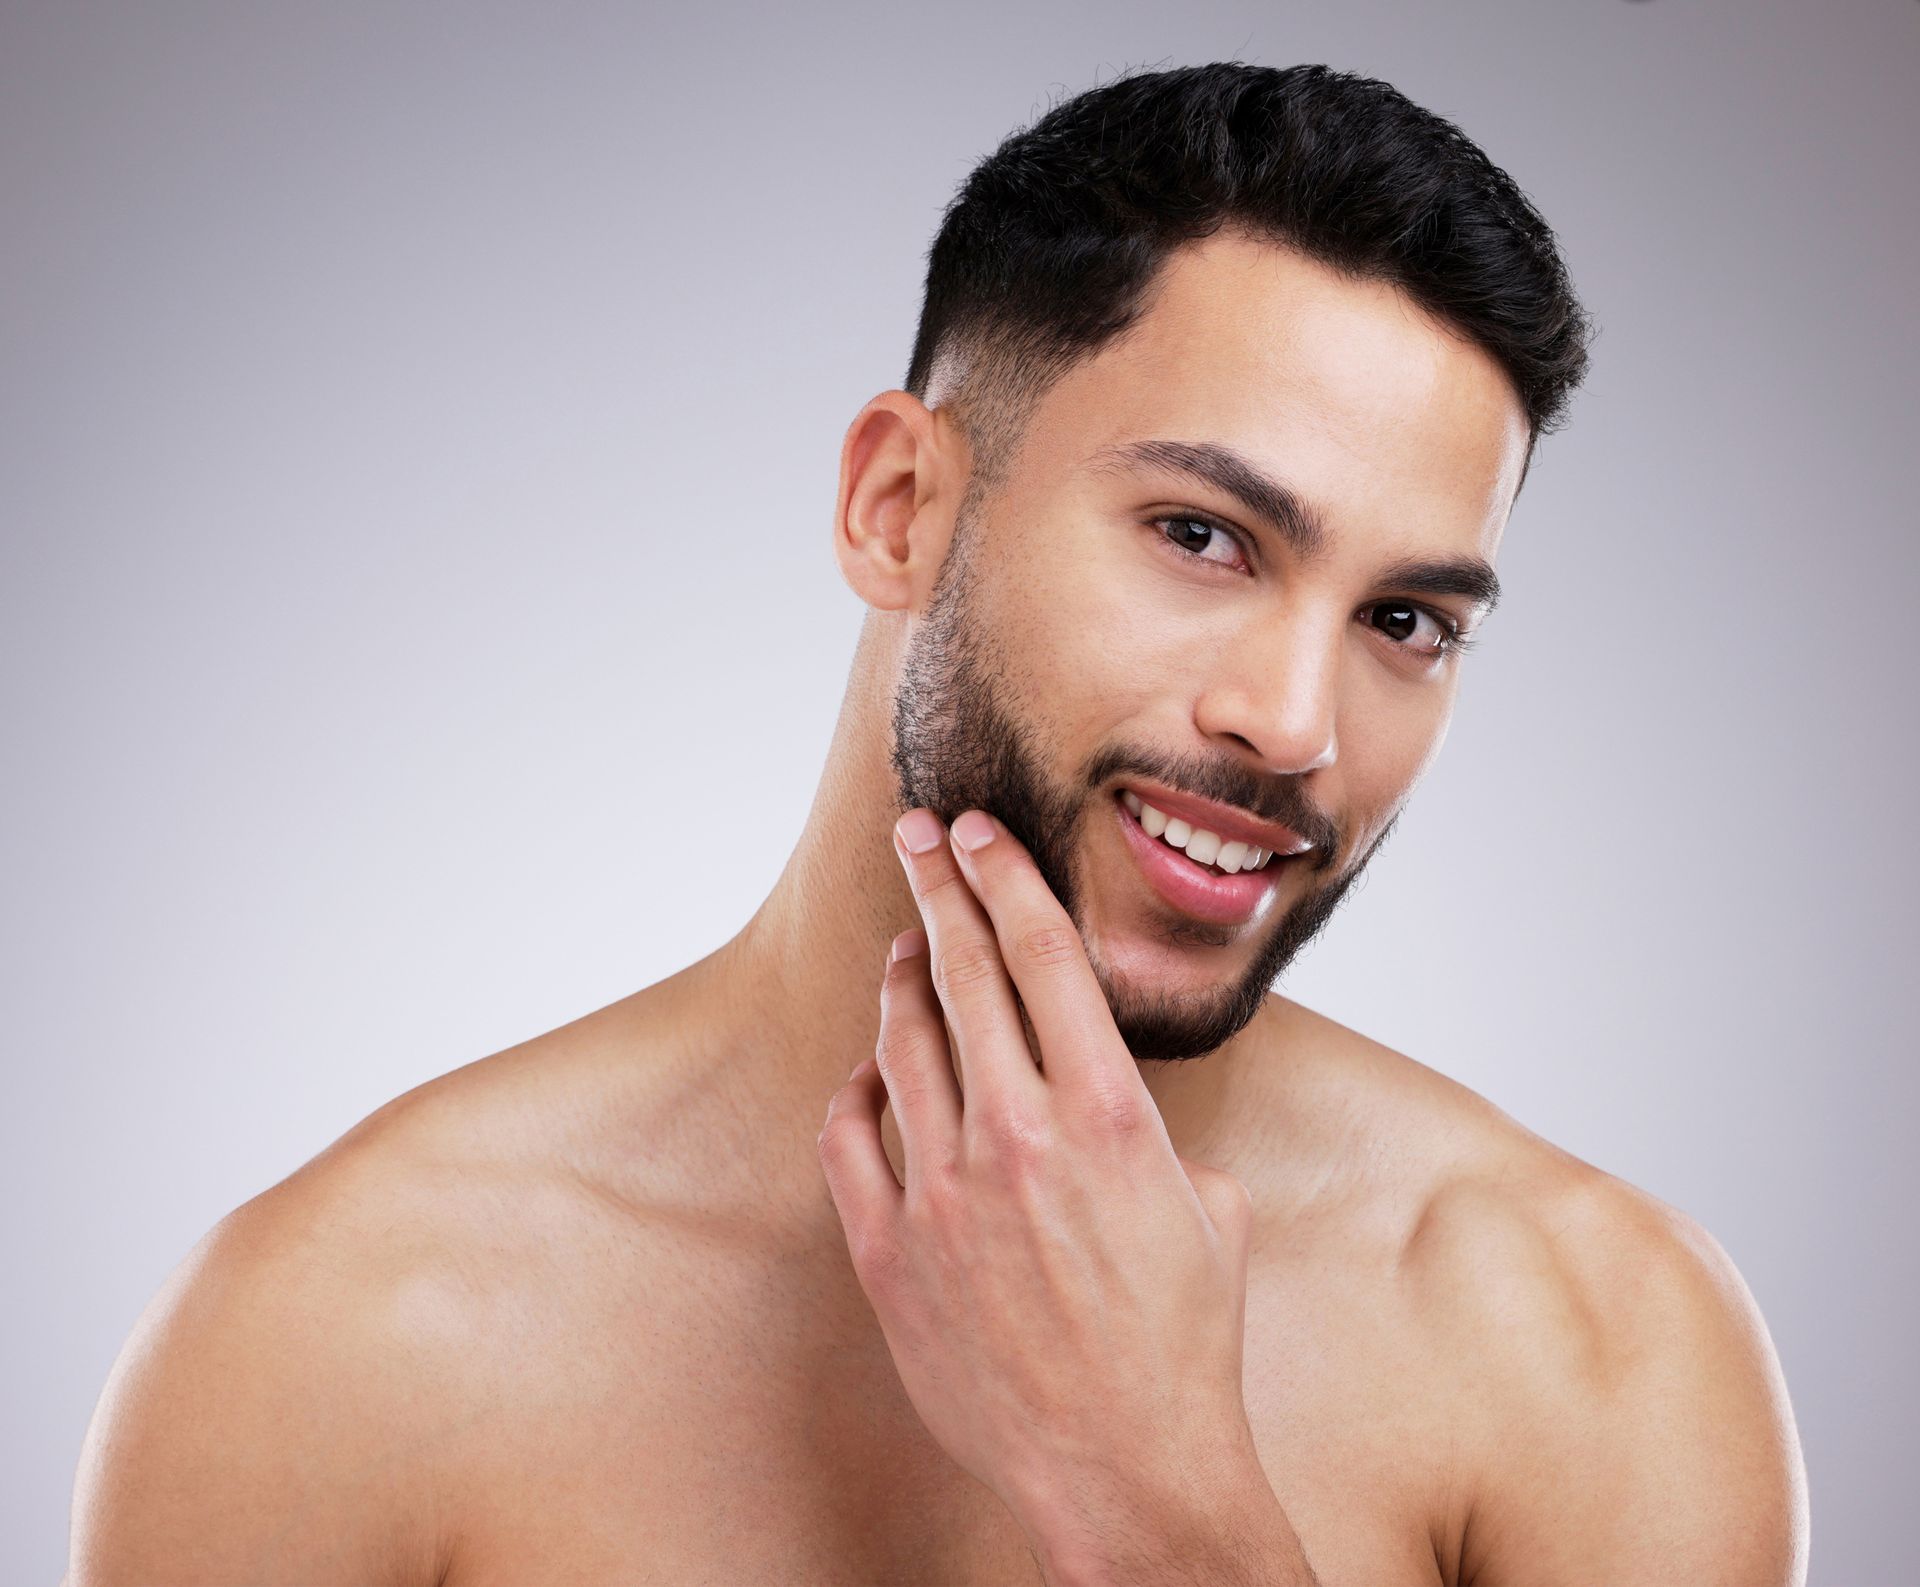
point(757, 1430)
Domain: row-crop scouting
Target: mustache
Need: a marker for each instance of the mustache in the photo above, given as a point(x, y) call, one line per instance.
point(1229, 782)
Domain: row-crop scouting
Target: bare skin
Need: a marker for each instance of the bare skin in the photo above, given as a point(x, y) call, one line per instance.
point(584, 1310)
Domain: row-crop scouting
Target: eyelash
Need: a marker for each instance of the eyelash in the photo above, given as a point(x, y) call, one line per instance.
point(1458, 640)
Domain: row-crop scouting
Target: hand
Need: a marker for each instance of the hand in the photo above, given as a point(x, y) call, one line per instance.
point(1063, 1294)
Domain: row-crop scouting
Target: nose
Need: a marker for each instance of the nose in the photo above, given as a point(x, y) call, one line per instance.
point(1276, 692)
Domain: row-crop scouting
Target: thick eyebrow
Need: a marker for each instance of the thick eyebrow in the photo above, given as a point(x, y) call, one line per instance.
point(1274, 504)
point(1292, 518)
point(1467, 576)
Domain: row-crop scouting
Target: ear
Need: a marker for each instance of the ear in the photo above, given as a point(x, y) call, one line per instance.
point(902, 470)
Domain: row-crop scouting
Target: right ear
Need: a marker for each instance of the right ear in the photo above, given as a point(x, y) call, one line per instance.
point(901, 474)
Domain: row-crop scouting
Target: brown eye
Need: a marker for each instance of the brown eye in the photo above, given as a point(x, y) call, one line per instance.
point(1400, 622)
point(1200, 539)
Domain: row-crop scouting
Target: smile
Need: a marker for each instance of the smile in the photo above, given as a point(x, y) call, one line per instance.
point(1199, 845)
point(1200, 889)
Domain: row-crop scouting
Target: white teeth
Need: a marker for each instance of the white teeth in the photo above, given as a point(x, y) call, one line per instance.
point(1207, 848)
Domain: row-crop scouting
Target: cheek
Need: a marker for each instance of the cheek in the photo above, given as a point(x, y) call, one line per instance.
point(1081, 659)
point(1145, 633)
point(1389, 737)
point(1123, 655)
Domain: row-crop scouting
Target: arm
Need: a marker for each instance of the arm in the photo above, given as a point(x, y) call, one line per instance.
point(258, 1426)
point(1663, 1450)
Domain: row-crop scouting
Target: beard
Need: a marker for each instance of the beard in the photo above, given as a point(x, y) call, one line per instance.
point(960, 742)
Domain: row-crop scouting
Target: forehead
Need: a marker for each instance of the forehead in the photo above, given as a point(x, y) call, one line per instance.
point(1347, 390)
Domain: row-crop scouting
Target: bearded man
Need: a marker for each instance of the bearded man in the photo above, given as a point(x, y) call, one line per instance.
point(1106, 1263)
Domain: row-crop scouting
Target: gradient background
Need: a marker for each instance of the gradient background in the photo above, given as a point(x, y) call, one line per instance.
point(416, 468)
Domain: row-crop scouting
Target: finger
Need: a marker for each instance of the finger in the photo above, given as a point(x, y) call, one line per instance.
point(859, 1177)
point(1045, 959)
point(914, 1057)
point(989, 1043)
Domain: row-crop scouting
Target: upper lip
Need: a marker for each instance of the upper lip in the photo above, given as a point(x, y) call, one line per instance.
point(1228, 822)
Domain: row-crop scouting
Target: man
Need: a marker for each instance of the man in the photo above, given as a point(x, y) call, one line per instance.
point(1106, 1264)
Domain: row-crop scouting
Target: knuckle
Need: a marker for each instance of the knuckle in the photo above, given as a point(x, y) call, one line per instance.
point(940, 1192)
point(1046, 945)
point(1014, 1140)
point(1117, 1111)
point(967, 965)
point(942, 879)
point(909, 1085)
point(907, 1055)
point(901, 1041)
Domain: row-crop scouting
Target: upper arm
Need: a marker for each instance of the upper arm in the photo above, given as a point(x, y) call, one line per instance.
point(259, 1425)
point(1655, 1443)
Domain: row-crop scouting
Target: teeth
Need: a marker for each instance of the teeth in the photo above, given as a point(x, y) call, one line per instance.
point(1207, 848)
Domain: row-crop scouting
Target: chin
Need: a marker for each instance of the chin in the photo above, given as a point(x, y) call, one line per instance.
point(1175, 990)
point(1165, 1027)
point(1163, 950)
point(1143, 969)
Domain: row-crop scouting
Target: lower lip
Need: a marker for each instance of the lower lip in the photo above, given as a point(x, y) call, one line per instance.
point(1190, 887)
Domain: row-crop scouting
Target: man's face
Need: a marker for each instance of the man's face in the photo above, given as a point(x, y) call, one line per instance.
point(1112, 619)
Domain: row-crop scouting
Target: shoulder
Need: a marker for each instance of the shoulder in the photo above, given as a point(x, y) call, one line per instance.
point(1633, 1421)
point(1615, 1400)
point(295, 1401)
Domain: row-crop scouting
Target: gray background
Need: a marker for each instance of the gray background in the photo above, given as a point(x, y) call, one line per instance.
point(417, 457)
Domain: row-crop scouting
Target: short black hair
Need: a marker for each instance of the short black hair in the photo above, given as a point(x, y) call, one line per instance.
point(1048, 248)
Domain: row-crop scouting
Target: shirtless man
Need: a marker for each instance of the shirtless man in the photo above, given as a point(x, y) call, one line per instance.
point(1118, 1267)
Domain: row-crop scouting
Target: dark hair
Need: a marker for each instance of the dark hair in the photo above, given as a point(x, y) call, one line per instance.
point(1047, 250)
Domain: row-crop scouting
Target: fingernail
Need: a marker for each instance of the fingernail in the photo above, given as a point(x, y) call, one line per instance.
point(912, 940)
point(973, 830)
point(919, 830)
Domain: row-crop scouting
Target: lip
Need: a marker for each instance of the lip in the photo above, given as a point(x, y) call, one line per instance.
point(1194, 891)
point(1227, 822)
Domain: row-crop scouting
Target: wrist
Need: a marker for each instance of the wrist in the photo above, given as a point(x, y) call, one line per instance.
point(1219, 1524)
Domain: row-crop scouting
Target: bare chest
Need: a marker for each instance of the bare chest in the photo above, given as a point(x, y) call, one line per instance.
point(742, 1421)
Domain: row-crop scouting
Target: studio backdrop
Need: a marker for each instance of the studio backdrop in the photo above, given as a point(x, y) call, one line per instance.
point(417, 457)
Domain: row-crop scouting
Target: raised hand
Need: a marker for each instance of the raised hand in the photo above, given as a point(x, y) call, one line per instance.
point(1063, 1294)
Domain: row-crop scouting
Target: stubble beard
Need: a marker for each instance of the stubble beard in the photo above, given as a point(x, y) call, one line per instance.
point(959, 743)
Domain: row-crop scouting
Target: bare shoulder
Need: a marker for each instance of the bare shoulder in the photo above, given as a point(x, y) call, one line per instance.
point(1600, 1367)
point(298, 1400)
point(1627, 1407)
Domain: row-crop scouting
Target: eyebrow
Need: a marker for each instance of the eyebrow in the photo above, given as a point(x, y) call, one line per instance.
point(1291, 517)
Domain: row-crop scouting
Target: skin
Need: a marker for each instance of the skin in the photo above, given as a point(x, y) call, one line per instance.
point(614, 1304)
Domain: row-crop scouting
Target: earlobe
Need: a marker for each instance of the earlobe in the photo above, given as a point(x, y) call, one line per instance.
point(892, 521)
